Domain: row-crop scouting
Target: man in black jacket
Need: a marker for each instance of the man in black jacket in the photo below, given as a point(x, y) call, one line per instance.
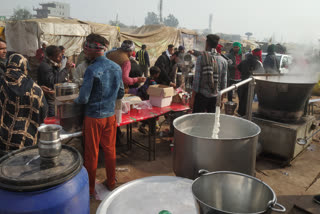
point(49, 75)
point(165, 65)
point(271, 64)
point(247, 67)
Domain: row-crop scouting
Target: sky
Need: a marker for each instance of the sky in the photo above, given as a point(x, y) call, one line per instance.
point(286, 20)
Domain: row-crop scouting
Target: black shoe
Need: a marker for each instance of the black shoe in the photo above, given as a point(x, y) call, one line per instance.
point(316, 199)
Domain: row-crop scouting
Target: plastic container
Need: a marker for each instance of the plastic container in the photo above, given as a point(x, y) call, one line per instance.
point(51, 120)
point(30, 185)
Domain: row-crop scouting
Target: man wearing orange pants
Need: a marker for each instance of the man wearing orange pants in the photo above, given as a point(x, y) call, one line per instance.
point(102, 85)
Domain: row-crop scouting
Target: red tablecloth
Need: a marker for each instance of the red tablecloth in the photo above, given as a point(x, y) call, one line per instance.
point(135, 116)
point(144, 114)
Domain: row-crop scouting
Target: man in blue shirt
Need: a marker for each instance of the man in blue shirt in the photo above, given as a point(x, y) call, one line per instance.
point(102, 86)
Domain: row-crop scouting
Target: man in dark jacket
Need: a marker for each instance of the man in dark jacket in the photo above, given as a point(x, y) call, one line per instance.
point(3, 53)
point(165, 65)
point(247, 67)
point(235, 57)
point(49, 75)
point(143, 58)
point(270, 63)
point(135, 71)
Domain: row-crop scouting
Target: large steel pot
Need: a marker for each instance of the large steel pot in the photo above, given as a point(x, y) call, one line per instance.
point(231, 192)
point(195, 149)
point(282, 98)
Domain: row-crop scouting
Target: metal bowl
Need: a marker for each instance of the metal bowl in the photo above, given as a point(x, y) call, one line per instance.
point(232, 192)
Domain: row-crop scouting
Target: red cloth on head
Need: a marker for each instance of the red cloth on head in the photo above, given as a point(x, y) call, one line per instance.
point(258, 54)
point(219, 47)
point(134, 54)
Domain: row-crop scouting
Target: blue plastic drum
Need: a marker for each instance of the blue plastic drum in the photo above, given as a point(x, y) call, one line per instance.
point(29, 184)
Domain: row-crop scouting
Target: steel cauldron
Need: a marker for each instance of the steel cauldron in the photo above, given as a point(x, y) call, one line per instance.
point(282, 98)
point(195, 149)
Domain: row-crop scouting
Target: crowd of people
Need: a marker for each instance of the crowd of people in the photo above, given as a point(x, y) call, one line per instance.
point(105, 76)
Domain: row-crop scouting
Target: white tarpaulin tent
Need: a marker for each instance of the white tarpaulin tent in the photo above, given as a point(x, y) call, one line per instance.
point(158, 37)
point(26, 36)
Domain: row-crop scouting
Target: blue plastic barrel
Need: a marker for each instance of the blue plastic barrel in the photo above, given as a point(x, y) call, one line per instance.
point(48, 195)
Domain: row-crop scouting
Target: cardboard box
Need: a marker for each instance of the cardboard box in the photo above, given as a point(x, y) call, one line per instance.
point(160, 91)
point(160, 95)
point(160, 101)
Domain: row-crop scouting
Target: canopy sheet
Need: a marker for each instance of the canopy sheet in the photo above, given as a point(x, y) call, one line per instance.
point(158, 37)
point(26, 36)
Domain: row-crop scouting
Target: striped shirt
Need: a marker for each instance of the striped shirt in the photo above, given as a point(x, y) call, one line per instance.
point(222, 71)
point(143, 57)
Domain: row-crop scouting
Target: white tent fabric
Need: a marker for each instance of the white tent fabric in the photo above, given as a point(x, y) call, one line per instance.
point(26, 36)
point(158, 37)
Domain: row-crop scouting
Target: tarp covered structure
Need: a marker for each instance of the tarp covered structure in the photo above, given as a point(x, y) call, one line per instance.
point(26, 36)
point(158, 37)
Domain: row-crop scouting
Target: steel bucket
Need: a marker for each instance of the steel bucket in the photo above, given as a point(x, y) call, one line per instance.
point(283, 98)
point(195, 149)
point(232, 192)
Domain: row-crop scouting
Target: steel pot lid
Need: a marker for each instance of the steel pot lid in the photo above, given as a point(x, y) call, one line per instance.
point(150, 195)
point(24, 170)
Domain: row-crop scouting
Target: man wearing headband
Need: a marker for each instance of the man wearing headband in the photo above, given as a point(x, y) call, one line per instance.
point(82, 64)
point(122, 56)
point(234, 75)
point(102, 85)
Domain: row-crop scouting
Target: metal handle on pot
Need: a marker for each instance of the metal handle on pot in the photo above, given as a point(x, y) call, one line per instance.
point(281, 210)
point(67, 136)
point(202, 172)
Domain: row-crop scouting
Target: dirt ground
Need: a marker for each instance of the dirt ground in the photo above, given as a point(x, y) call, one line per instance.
point(294, 185)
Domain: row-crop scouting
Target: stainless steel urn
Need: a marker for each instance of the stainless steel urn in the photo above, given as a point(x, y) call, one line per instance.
point(69, 112)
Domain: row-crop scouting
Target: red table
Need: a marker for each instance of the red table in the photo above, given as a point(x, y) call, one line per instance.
point(144, 114)
point(133, 116)
point(150, 116)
